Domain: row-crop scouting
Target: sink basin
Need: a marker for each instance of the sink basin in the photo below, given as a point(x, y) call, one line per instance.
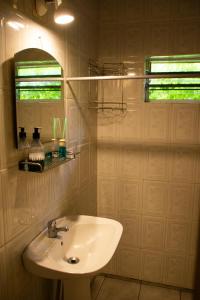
point(76, 254)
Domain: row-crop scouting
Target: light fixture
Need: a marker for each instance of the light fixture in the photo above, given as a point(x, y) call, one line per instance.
point(62, 15)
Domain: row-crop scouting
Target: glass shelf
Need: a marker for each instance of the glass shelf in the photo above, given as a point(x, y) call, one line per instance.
point(29, 166)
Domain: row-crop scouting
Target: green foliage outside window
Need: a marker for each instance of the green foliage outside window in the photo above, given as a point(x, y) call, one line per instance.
point(38, 90)
point(173, 88)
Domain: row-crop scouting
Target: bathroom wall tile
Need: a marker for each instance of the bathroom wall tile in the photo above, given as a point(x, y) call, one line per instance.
point(2, 52)
point(1, 211)
point(181, 201)
point(131, 237)
point(131, 11)
point(152, 266)
point(108, 129)
point(17, 205)
point(157, 164)
point(84, 165)
point(84, 125)
point(129, 197)
point(157, 293)
point(107, 160)
point(194, 237)
point(175, 270)
point(73, 122)
point(190, 272)
point(2, 139)
point(109, 34)
point(131, 162)
point(107, 196)
point(185, 123)
point(183, 166)
point(177, 237)
point(129, 262)
point(157, 118)
point(19, 279)
point(131, 126)
point(186, 296)
point(109, 11)
point(133, 36)
point(3, 274)
point(155, 198)
point(153, 232)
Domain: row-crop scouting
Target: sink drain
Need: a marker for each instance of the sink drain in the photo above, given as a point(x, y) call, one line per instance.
point(73, 260)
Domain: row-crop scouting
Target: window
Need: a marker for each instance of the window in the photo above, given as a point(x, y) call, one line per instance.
point(38, 90)
point(175, 89)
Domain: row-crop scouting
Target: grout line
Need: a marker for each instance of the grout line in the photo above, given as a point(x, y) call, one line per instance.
point(140, 290)
point(100, 288)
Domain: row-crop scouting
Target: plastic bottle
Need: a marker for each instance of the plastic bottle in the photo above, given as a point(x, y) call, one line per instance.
point(36, 153)
point(23, 145)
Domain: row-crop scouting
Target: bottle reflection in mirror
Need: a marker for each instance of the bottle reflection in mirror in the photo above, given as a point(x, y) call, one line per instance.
point(59, 128)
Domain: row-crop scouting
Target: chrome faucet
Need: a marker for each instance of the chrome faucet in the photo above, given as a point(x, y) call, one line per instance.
point(53, 230)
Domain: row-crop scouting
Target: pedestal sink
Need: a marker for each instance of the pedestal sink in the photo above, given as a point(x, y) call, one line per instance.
point(74, 256)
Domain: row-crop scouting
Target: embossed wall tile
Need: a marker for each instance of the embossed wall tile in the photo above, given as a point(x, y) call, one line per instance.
point(190, 272)
point(151, 292)
point(17, 205)
point(157, 164)
point(131, 231)
point(109, 10)
point(129, 262)
point(73, 123)
point(177, 237)
point(174, 270)
point(181, 201)
point(183, 166)
point(129, 197)
point(131, 162)
point(3, 274)
point(157, 121)
point(107, 160)
point(134, 40)
point(109, 34)
point(132, 11)
point(107, 196)
point(153, 233)
point(84, 165)
point(155, 198)
point(196, 207)
point(131, 126)
point(1, 210)
point(107, 129)
point(194, 236)
point(185, 123)
point(152, 266)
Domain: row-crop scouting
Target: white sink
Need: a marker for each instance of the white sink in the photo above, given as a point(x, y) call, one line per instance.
point(93, 240)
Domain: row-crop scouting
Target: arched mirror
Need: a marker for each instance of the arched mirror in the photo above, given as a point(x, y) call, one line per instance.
point(39, 92)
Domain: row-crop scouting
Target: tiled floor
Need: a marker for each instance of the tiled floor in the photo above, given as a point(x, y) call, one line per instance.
point(106, 288)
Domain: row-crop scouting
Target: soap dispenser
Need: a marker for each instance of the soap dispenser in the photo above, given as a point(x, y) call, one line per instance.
point(24, 146)
point(36, 153)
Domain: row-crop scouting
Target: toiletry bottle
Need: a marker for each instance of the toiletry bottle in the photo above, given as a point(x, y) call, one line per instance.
point(24, 146)
point(36, 153)
point(62, 148)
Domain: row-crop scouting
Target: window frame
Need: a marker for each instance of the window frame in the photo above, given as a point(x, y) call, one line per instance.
point(171, 58)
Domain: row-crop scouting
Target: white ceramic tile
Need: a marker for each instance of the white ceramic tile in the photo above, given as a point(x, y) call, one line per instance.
point(129, 262)
point(107, 196)
point(183, 166)
point(181, 201)
point(133, 39)
point(115, 289)
point(107, 160)
point(152, 266)
point(131, 231)
point(190, 274)
point(1, 211)
point(131, 126)
point(131, 162)
point(155, 198)
point(175, 270)
point(153, 232)
point(129, 197)
point(186, 296)
point(157, 118)
point(4, 286)
point(157, 164)
point(110, 47)
point(177, 236)
point(84, 165)
point(185, 123)
point(157, 293)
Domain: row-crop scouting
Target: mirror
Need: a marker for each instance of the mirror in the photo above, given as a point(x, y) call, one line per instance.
point(39, 92)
